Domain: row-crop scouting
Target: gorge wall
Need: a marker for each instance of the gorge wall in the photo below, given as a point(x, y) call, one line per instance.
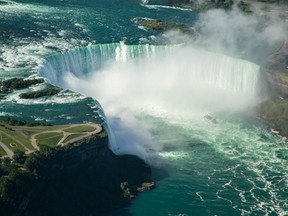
point(275, 69)
point(274, 110)
point(84, 178)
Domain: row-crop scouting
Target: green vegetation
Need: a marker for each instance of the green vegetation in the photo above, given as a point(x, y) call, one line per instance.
point(244, 7)
point(2, 152)
point(79, 129)
point(15, 183)
point(15, 122)
point(159, 25)
point(53, 171)
point(225, 4)
point(11, 143)
point(72, 136)
point(19, 176)
point(19, 157)
point(18, 136)
point(40, 93)
point(49, 139)
point(17, 83)
point(37, 129)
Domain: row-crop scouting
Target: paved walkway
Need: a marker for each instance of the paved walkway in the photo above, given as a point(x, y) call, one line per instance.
point(7, 150)
point(98, 129)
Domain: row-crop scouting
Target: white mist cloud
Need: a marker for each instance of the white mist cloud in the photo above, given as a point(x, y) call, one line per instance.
point(183, 82)
point(240, 34)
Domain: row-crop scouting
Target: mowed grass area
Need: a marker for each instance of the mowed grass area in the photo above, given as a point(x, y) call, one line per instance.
point(2, 152)
point(79, 129)
point(11, 144)
point(21, 137)
point(49, 139)
point(73, 136)
point(38, 129)
point(18, 136)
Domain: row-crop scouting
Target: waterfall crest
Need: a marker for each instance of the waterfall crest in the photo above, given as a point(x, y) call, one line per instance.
point(174, 81)
point(197, 66)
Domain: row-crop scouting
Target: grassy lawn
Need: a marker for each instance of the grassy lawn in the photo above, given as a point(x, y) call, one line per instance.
point(50, 139)
point(72, 136)
point(2, 152)
point(78, 129)
point(44, 128)
point(11, 144)
point(19, 137)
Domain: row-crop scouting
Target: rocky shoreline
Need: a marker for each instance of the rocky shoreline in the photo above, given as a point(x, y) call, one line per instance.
point(274, 110)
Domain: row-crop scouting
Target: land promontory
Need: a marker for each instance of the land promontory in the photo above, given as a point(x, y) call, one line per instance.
point(64, 170)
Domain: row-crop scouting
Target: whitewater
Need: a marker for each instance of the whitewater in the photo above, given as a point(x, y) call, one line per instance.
point(152, 92)
point(155, 99)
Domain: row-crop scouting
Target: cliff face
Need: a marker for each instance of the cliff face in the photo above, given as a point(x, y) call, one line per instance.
point(83, 178)
point(89, 187)
point(275, 70)
point(274, 111)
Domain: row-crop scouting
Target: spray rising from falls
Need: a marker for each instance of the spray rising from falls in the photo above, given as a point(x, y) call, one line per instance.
point(172, 81)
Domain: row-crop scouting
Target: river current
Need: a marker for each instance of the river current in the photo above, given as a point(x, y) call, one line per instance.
point(156, 94)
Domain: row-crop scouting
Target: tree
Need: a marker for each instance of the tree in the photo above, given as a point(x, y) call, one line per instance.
point(19, 157)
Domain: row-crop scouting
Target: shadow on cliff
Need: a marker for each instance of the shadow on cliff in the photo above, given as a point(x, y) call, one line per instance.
point(89, 187)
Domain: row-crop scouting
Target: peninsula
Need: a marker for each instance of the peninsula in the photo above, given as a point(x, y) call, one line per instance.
point(40, 164)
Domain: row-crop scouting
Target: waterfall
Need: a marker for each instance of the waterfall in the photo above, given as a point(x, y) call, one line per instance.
point(176, 81)
point(81, 61)
point(195, 66)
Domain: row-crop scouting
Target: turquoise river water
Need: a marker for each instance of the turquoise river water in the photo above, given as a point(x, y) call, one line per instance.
point(155, 90)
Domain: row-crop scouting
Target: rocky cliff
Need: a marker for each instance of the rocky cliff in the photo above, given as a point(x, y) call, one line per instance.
point(275, 70)
point(274, 110)
point(83, 178)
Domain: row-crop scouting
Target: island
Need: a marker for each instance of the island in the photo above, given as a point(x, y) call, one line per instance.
point(159, 25)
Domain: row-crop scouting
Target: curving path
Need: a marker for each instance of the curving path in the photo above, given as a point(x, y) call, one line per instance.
point(8, 151)
point(82, 135)
point(98, 129)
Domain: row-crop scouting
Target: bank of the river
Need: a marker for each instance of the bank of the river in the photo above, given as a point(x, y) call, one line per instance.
point(82, 171)
point(274, 110)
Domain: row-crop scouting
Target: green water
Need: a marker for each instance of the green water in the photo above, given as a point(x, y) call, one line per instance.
point(154, 105)
point(235, 167)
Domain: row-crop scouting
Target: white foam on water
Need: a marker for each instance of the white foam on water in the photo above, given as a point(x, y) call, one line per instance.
point(166, 7)
point(140, 86)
